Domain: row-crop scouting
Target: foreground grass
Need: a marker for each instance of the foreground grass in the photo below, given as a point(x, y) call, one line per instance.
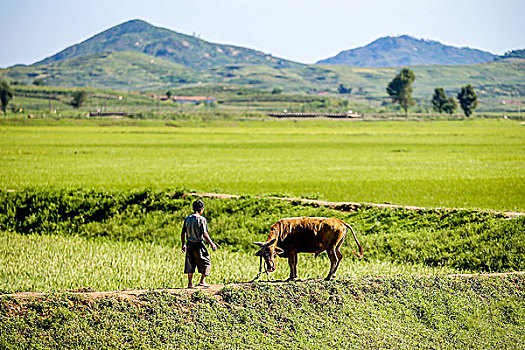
point(462, 164)
point(56, 263)
point(365, 313)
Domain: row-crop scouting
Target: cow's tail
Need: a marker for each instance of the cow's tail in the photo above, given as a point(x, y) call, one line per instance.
point(360, 254)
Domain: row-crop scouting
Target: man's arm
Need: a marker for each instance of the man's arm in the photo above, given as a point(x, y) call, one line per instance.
point(183, 237)
point(210, 242)
point(207, 236)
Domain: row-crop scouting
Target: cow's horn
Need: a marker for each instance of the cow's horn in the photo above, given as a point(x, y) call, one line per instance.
point(260, 244)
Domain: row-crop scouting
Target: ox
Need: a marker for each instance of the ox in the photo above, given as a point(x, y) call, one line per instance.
point(305, 235)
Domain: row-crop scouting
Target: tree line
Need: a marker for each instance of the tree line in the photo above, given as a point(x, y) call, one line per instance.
point(400, 90)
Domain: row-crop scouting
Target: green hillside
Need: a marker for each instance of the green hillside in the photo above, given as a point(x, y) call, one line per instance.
point(190, 51)
point(113, 70)
point(137, 56)
point(407, 51)
point(138, 71)
point(491, 80)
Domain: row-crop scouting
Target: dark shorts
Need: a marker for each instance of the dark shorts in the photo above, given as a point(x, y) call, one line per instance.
point(197, 256)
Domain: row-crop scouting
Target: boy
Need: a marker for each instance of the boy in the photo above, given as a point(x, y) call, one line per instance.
point(194, 232)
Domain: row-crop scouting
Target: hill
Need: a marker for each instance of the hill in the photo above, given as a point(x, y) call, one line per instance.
point(115, 70)
point(136, 55)
point(494, 79)
point(407, 51)
point(141, 72)
point(189, 51)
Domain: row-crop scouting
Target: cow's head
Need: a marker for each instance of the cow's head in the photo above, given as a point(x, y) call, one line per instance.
point(268, 251)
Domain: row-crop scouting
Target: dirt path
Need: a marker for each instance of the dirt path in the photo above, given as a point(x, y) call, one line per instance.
point(211, 290)
point(350, 206)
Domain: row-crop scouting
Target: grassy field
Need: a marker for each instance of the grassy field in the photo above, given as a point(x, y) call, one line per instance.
point(98, 205)
point(230, 99)
point(73, 263)
point(463, 164)
point(56, 240)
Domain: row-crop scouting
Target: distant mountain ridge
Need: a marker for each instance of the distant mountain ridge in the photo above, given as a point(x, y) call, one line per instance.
point(195, 53)
point(140, 36)
point(136, 55)
point(406, 50)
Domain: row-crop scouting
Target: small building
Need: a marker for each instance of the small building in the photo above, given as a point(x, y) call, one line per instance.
point(193, 99)
point(160, 97)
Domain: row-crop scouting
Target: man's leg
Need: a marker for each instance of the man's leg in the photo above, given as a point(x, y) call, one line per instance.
point(190, 280)
point(204, 265)
point(202, 283)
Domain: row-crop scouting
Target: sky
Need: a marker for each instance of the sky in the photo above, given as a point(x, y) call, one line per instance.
point(300, 30)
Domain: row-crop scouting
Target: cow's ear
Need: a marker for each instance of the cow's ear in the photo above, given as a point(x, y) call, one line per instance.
point(271, 242)
point(259, 253)
point(260, 244)
point(278, 250)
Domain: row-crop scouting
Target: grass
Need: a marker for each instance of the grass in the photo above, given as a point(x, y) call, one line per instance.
point(91, 211)
point(370, 313)
point(465, 164)
point(54, 263)
point(68, 239)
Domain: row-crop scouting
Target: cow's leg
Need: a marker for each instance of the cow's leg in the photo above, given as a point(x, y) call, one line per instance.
point(333, 263)
point(292, 262)
point(296, 260)
point(338, 254)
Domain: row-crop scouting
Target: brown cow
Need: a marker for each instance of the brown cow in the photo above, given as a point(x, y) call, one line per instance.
point(305, 235)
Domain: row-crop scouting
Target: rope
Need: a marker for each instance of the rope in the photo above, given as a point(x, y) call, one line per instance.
point(261, 268)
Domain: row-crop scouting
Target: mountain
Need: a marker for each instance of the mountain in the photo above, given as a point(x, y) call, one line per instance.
point(407, 51)
point(188, 51)
point(138, 56)
point(115, 70)
point(140, 72)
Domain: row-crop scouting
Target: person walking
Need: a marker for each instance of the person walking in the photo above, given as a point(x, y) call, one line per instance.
point(194, 233)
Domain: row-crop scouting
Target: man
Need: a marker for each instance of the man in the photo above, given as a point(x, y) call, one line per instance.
point(194, 232)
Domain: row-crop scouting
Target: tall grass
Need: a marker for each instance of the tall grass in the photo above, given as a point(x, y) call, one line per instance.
point(466, 240)
point(56, 263)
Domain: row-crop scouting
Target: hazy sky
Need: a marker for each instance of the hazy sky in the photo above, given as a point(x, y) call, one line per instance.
point(301, 30)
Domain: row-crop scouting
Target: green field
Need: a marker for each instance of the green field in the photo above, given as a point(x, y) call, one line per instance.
point(98, 205)
point(74, 263)
point(460, 164)
point(56, 240)
point(62, 240)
